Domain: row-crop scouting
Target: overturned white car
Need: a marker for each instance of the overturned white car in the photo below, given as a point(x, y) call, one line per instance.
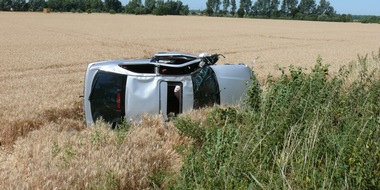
point(169, 83)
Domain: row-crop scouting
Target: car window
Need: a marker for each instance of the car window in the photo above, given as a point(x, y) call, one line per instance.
point(205, 87)
point(108, 97)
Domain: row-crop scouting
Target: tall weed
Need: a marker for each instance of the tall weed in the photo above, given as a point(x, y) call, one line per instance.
point(307, 130)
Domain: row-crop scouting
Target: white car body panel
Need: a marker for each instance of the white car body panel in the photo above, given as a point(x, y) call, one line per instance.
point(147, 93)
point(143, 95)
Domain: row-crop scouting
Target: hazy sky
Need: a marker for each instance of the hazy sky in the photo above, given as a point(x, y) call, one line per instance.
point(355, 7)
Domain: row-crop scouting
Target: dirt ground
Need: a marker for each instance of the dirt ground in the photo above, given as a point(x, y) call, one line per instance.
point(43, 57)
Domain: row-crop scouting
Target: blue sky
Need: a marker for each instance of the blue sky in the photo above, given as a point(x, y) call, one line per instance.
point(355, 7)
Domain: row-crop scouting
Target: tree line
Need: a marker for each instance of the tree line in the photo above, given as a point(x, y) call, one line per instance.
point(285, 9)
point(277, 9)
point(157, 7)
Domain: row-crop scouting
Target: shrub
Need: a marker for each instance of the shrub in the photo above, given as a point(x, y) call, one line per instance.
point(190, 128)
point(112, 11)
point(240, 12)
point(311, 17)
point(309, 130)
point(209, 12)
point(254, 94)
point(322, 17)
point(139, 11)
point(160, 11)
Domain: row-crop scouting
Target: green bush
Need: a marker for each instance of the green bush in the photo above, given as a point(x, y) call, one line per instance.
point(311, 17)
point(209, 12)
point(254, 94)
point(140, 11)
point(160, 11)
point(112, 11)
point(240, 12)
point(372, 19)
point(190, 128)
point(299, 16)
point(307, 130)
point(322, 17)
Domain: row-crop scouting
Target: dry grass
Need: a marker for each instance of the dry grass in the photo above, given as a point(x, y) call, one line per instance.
point(43, 58)
point(66, 118)
point(93, 158)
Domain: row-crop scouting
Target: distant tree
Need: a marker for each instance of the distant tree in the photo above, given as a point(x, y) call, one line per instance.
point(2, 5)
point(209, 7)
point(324, 7)
point(213, 5)
point(372, 19)
point(185, 10)
point(240, 12)
point(226, 5)
point(233, 7)
point(246, 5)
point(307, 7)
point(55, 5)
point(140, 11)
point(284, 8)
point(69, 5)
point(97, 5)
point(167, 8)
point(174, 7)
point(344, 18)
point(323, 17)
point(349, 18)
point(113, 5)
point(132, 5)
point(273, 8)
point(160, 3)
point(93, 5)
point(80, 5)
point(87, 5)
point(261, 7)
point(162, 9)
point(216, 6)
point(18, 5)
point(150, 5)
point(288, 7)
point(36, 5)
point(268, 8)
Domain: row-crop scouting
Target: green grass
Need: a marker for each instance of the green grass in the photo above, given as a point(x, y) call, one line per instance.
point(305, 130)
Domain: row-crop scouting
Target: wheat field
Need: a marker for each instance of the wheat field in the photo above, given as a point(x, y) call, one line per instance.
point(43, 58)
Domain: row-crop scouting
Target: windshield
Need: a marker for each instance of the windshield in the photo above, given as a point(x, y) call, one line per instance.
point(206, 88)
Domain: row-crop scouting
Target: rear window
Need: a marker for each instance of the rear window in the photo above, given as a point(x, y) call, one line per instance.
point(206, 87)
point(108, 97)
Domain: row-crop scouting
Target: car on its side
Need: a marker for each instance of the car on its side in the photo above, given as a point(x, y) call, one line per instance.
point(169, 83)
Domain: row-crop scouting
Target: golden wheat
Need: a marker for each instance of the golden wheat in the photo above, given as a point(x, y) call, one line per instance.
point(50, 158)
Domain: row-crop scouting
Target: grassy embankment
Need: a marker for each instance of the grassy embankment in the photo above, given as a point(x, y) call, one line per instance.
point(307, 129)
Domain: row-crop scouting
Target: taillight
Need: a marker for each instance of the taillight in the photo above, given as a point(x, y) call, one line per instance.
point(118, 99)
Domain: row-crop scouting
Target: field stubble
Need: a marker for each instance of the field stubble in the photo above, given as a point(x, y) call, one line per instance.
point(44, 57)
